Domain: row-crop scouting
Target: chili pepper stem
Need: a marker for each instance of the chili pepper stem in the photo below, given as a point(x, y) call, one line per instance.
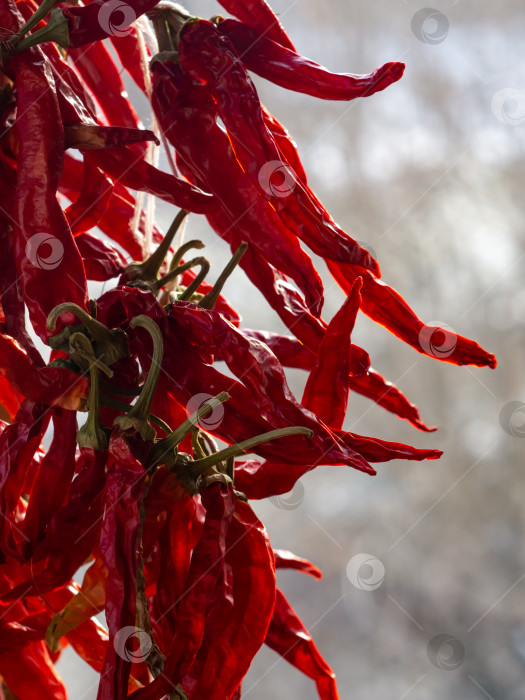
point(44, 9)
point(167, 445)
point(56, 30)
point(111, 345)
point(205, 267)
point(114, 403)
point(182, 250)
point(209, 301)
point(91, 434)
point(200, 466)
point(148, 271)
point(137, 417)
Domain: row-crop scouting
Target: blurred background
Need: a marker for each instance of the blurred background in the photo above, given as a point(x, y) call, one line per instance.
point(424, 564)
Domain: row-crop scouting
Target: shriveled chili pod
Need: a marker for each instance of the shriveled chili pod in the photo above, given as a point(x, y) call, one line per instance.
point(286, 560)
point(283, 66)
point(326, 391)
point(289, 637)
point(386, 306)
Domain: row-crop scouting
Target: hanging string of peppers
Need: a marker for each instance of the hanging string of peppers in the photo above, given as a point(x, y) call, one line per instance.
point(179, 562)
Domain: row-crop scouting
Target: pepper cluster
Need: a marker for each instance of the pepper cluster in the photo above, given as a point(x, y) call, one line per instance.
point(177, 558)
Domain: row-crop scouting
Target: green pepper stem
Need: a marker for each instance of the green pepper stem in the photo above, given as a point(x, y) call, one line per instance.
point(91, 434)
point(138, 415)
point(56, 30)
point(200, 466)
point(202, 262)
point(112, 344)
point(44, 9)
point(148, 270)
point(117, 405)
point(209, 301)
point(182, 250)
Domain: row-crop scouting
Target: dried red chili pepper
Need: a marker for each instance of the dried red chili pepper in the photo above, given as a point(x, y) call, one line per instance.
point(286, 560)
point(92, 201)
point(211, 58)
point(102, 261)
point(127, 46)
point(238, 622)
point(95, 63)
point(207, 562)
point(93, 137)
point(385, 394)
point(28, 670)
point(284, 67)
point(122, 165)
point(186, 112)
point(47, 385)
point(290, 638)
point(326, 391)
point(39, 215)
point(385, 306)
point(258, 14)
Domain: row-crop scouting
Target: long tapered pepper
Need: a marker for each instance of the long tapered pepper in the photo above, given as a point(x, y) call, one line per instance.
point(286, 560)
point(186, 111)
point(237, 624)
point(206, 566)
point(326, 391)
point(134, 172)
point(290, 638)
point(41, 220)
point(283, 66)
point(385, 306)
point(210, 57)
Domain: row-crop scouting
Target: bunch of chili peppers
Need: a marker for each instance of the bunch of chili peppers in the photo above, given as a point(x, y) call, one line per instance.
point(141, 492)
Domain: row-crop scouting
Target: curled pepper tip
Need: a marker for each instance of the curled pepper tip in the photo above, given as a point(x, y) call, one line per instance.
point(396, 69)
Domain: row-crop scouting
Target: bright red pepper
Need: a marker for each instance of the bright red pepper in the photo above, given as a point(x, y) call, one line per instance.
point(284, 67)
point(326, 391)
point(259, 14)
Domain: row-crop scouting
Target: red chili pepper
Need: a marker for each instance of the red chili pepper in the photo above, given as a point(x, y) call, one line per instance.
point(284, 67)
point(258, 14)
point(326, 391)
point(93, 137)
point(95, 64)
point(127, 47)
point(207, 562)
point(285, 143)
point(92, 201)
point(187, 114)
point(53, 480)
point(122, 165)
point(102, 261)
point(385, 394)
point(116, 222)
point(119, 545)
point(29, 673)
point(211, 58)
point(286, 560)
point(292, 353)
point(40, 218)
point(238, 622)
point(47, 385)
point(385, 306)
point(289, 637)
